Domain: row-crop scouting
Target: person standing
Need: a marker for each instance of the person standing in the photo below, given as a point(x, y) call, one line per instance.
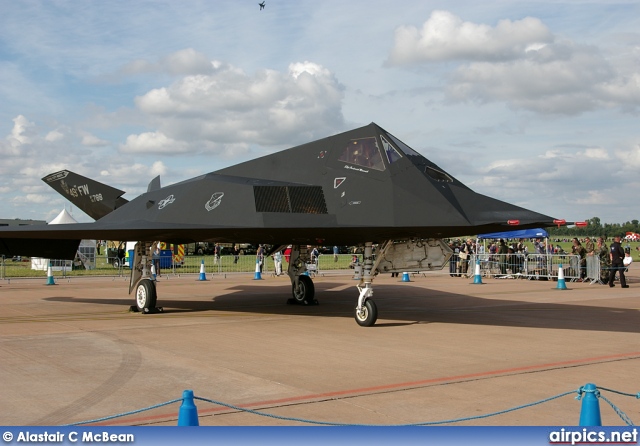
point(314, 255)
point(236, 253)
point(603, 255)
point(453, 261)
point(589, 247)
point(260, 256)
point(616, 254)
point(502, 253)
point(277, 261)
point(335, 253)
point(464, 256)
point(578, 250)
point(155, 258)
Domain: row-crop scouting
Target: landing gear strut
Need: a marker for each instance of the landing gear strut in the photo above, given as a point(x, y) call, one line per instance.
point(366, 312)
point(302, 287)
point(141, 279)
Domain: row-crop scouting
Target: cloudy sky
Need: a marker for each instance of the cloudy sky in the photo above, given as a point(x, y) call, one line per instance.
point(533, 102)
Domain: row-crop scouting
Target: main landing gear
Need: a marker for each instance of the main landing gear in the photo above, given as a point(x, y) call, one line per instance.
point(146, 296)
point(302, 287)
point(142, 280)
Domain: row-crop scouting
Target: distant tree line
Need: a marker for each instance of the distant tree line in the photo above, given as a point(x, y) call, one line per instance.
point(595, 228)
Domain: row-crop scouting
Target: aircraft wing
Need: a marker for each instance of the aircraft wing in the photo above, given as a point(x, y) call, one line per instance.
point(361, 185)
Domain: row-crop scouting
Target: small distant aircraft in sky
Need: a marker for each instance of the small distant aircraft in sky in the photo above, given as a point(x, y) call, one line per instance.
point(261, 5)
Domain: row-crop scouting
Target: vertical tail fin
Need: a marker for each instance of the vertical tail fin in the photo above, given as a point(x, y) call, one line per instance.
point(92, 197)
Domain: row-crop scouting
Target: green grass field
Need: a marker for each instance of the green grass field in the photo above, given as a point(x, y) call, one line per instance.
point(191, 265)
point(245, 264)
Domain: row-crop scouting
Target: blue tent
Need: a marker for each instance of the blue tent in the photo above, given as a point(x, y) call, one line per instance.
point(521, 233)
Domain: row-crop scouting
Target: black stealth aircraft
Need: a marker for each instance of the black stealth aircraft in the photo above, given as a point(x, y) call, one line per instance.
point(361, 187)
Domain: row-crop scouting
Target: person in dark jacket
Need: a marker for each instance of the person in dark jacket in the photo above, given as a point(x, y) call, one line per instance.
point(616, 254)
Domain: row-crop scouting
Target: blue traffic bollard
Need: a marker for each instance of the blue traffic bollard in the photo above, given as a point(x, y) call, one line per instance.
point(50, 280)
point(188, 414)
point(258, 274)
point(477, 278)
point(590, 411)
point(203, 275)
point(562, 285)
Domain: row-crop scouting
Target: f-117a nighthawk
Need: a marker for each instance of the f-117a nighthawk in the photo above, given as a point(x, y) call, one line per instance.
point(360, 187)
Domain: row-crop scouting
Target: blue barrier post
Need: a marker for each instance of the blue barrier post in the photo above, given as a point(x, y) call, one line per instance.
point(188, 414)
point(561, 283)
point(477, 278)
point(50, 280)
point(590, 411)
point(257, 275)
point(203, 275)
point(405, 277)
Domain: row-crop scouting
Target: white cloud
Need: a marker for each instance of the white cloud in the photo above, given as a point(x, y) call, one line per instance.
point(54, 135)
point(520, 63)
point(623, 90)
point(572, 183)
point(594, 197)
point(187, 61)
point(31, 151)
point(90, 140)
point(22, 129)
point(630, 157)
point(184, 62)
point(597, 154)
point(31, 198)
point(225, 109)
point(559, 78)
point(152, 142)
point(445, 36)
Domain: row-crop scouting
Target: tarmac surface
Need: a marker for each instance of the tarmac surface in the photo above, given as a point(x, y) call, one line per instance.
point(443, 349)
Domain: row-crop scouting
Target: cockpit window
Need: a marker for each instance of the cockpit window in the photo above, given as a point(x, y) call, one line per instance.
point(391, 152)
point(363, 152)
point(438, 175)
point(402, 146)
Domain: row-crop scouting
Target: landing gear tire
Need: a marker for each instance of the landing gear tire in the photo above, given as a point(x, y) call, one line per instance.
point(146, 296)
point(305, 293)
point(368, 315)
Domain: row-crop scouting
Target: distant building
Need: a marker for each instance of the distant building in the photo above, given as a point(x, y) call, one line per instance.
point(20, 222)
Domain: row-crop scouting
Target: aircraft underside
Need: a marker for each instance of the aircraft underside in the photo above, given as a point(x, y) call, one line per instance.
point(411, 255)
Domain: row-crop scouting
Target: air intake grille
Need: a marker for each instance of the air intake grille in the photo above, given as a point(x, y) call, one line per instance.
point(290, 199)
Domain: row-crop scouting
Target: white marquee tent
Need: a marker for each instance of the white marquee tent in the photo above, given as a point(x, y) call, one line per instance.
point(86, 255)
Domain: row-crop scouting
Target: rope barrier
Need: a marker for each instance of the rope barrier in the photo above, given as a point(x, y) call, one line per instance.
point(97, 420)
point(616, 409)
point(580, 392)
point(637, 395)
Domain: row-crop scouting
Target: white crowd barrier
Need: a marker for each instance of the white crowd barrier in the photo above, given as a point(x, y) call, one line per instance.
point(529, 266)
point(247, 263)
